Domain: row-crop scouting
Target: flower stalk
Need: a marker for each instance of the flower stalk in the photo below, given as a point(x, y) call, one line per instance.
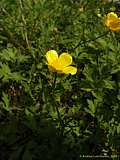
point(56, 107)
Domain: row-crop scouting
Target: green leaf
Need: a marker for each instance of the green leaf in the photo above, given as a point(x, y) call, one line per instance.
point(118, 97)
point(12, 55)
point(102, 43)
point(16, 76)
point(4, 70)
point(91, 107)
point(109, 84)
point(7, 74)
point(115, 69)
point(8, 54)
point(5, 99)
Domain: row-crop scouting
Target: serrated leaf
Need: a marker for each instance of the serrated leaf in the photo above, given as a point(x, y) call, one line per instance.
point(108, 84)
point(115, 69)
point(6, 101)
point(102, 42)
point(16, 76)
point(5, 70)
point(8, 54)
point(11, 54)
point(92, 107)
point(22, 58)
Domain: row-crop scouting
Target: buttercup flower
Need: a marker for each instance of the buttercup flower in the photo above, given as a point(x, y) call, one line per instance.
point(112, 21)
point(60, 64)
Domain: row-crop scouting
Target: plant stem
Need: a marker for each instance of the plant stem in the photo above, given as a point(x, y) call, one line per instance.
point(80, 43)
point(24, 24)
point(56, 107)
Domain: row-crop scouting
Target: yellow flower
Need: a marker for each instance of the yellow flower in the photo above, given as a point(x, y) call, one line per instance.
point(60, 64)
point(112, 21)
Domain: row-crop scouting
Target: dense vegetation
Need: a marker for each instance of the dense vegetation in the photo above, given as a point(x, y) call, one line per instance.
point(46, 116)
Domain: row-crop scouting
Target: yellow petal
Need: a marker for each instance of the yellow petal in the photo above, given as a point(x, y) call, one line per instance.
point(57, 65)
point(70, 69)
point(110, 18)
point(65, 60)
point(112, 15)
point(51, 56)
point(115, 25)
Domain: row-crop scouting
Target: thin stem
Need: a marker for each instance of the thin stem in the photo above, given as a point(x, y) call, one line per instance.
point(24, 23)
point(80, 43)
point(56, 107)
point(54, 83)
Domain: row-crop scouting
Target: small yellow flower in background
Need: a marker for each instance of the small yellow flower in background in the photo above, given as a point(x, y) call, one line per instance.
point(60, 64)
point(112, 21)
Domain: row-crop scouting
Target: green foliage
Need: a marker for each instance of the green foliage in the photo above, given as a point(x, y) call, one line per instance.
point(49, 116)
